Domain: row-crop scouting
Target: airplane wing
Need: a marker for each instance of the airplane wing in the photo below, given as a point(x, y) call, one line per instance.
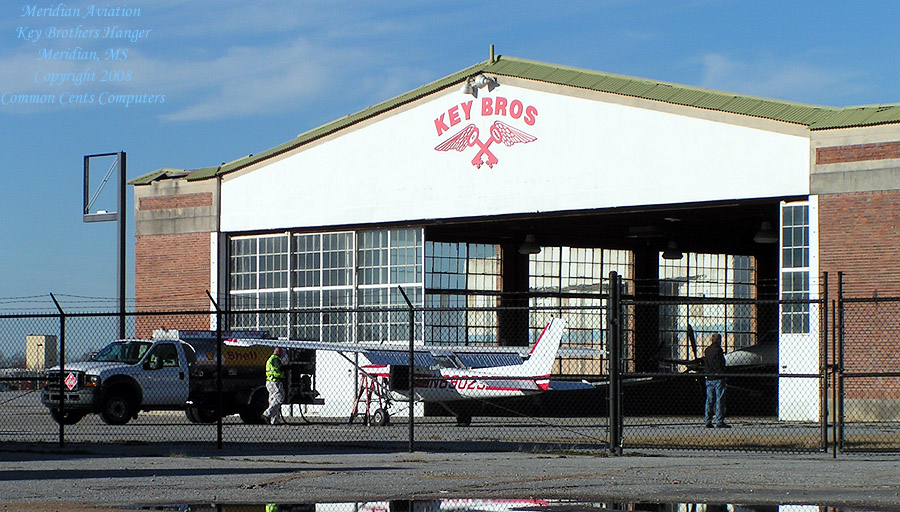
point(472, 356)
point(571, 385)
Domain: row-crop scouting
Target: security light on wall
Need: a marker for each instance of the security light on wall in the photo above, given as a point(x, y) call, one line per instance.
point(473, 83)
point(765, 235)
point(529, 246)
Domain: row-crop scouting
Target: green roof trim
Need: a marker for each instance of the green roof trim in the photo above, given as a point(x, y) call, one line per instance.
point(163, 173)
point(814, 117)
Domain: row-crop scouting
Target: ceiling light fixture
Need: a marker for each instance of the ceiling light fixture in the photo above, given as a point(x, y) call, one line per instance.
point(672, 252)
point(765, 235)
point(529, 246)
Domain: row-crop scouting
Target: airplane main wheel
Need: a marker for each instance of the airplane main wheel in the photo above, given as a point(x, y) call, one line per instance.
point(380, 418)
point(463, 420)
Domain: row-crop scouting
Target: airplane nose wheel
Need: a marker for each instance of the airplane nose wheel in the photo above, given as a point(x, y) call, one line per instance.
point(380, 418)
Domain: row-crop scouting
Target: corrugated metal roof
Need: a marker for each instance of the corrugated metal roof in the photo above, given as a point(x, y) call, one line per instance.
point(814, 117)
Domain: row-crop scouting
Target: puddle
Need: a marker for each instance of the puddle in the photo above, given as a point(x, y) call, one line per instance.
point(497, 505)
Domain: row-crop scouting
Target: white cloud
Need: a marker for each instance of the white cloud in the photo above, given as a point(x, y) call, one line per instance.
point(238, 58)
point(788, 80)
point(242, 81)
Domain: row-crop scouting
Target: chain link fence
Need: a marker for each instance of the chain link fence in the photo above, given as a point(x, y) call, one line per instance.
point(826, 381)
point(866, 361)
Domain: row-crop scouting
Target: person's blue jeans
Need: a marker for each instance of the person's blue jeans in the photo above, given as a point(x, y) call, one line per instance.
point(715, 401)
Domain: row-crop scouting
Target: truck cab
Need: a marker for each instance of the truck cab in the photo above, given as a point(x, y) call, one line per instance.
point(121, 379)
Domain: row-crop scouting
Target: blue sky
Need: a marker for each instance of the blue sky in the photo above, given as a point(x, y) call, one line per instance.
point(240, 77)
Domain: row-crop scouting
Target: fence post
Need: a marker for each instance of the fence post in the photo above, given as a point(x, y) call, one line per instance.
point(219, 408)
point(834, 385)
point(412, 370)
point(823, 366)
point(614, 346)
point(839, 377)
point(62, 368)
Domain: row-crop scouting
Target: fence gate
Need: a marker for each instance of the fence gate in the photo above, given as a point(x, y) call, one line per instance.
point(866, 360)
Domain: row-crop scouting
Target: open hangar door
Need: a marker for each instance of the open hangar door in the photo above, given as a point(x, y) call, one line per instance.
point(700, 232)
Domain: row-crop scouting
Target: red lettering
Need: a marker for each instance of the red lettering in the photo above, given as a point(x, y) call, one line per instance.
point(467, 109)
point(530, 115)
point(515, 109)
point(440, 125)
point(472, 384)
point(487, 107)
point(500, 106)
point(453, 115)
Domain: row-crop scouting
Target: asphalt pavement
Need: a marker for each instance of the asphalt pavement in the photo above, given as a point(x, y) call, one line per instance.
point(132, 475)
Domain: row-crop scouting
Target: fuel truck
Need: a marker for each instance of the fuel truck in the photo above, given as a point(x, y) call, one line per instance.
point(173, 371)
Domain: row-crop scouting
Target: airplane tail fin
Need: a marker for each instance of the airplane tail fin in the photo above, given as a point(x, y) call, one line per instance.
point(540, 362)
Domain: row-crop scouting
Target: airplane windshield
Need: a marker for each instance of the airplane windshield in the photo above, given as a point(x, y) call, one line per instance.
point(129, 352)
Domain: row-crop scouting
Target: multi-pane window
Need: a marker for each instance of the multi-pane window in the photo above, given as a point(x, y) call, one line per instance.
point(323, 279)
point(388, 259)
point(461, 280)
point(568, 282)
point(795, 268)
point(243, 264)
point(706, 276)
point(259, 281)
point(373, 257)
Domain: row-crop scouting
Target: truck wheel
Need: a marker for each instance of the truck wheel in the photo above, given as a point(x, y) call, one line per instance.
point(198, 415)
point(69, 418)
point(380, 418)
point(252, 413)
point(116, 409)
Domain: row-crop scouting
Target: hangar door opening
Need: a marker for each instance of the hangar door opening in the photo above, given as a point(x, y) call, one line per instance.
point(337, 286)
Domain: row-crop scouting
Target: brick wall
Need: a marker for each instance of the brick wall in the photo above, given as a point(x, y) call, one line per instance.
point(172, 273)
point(172, 202)
point(858, 152)
point(859, 235)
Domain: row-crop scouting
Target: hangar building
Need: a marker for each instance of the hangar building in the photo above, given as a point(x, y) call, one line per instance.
point(515, 178)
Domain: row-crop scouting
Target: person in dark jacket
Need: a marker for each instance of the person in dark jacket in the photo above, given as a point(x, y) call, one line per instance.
point(714, 363)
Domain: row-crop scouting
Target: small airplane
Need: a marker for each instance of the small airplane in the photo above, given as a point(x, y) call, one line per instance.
point(444, 374)
point(762, 357)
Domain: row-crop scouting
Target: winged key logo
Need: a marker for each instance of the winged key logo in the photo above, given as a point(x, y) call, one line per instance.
point(470, 136)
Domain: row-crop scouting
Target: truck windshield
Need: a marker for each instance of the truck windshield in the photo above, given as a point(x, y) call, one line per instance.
point(129, 352)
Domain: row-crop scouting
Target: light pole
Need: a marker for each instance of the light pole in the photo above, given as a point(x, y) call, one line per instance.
point(105, 216)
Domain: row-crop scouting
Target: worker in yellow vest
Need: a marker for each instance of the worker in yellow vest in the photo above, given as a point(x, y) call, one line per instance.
point(275, 387)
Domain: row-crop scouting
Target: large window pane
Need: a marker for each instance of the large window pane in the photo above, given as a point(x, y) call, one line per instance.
point(568, 282)
point(703, 276)
point(461, 275)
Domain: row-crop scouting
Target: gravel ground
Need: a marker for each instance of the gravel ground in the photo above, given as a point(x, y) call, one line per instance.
point(83, 477)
